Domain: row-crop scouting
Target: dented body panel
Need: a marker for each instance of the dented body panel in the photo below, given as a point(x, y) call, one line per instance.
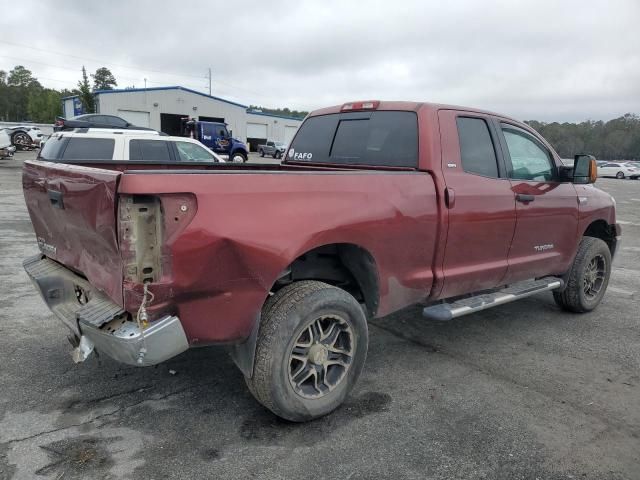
point(223, 267)
point(72, 209)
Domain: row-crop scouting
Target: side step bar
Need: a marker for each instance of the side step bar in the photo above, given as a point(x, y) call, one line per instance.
point(448, 311)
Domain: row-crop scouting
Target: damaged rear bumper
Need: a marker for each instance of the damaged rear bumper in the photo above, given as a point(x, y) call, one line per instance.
point(97, 322)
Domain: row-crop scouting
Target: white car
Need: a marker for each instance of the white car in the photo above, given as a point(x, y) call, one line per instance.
point(96, 144)
point(618, 170)
point(25, 136)
point(6, 149)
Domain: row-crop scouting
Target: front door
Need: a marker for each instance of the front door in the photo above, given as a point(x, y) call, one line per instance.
point(546, 208)
point(479, 202)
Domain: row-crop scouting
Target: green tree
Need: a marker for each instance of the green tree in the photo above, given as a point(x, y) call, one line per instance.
point(85, 93)
point(280, 111)
point(103, 79)
point(20, 84)
point(22, 77)
point(45, 105)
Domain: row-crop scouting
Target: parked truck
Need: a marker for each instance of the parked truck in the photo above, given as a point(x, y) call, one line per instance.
point(275, 149)
point(377, 206)
point(217, 137)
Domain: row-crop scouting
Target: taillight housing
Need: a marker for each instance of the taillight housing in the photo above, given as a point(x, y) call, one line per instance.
point(140, 233)
point(364, 105)
point(147, 227)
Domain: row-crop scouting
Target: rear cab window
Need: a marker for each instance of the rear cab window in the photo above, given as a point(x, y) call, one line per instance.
point(378, 138)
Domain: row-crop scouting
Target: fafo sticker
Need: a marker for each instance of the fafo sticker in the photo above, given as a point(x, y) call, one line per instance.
point(302, 156)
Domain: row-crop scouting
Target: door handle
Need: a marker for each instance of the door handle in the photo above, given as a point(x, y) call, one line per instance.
point(525, 198)
point(449, 197)
point(56, 199)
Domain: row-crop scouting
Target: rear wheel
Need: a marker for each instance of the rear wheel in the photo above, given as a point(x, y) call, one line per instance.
point(588, 278)
point(311, 348)
point(620, 175)
point(261, 153)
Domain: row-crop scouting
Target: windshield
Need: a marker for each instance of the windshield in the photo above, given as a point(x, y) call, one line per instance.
point(380, 138)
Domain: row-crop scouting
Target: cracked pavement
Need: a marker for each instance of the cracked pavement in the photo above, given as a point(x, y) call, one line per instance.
point(522, 391)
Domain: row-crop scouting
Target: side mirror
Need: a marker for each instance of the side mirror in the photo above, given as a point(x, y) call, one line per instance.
point(585, 169)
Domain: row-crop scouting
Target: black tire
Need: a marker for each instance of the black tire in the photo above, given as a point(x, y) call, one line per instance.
point(620, 175)
point(286, 317)
point(261, 153)
point(278, 154)
point(21, 140)
point(574, 298)
point(275, 155)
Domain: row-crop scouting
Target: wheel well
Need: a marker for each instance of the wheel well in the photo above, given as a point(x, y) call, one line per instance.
point(343, 265)
point(602, 230)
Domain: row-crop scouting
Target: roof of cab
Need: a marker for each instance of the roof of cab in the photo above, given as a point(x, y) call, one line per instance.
point(408, 106)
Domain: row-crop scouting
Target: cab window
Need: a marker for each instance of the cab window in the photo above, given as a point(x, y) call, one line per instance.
point(530, 159)
point(477, 152)
point(190, 152)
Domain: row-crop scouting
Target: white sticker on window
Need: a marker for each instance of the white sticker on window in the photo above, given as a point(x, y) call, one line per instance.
point(302, 156)
point(291, 152)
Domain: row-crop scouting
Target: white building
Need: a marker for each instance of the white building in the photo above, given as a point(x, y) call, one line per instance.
point(162, 108)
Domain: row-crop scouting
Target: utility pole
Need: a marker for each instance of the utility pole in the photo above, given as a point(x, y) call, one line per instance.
point(209, 81)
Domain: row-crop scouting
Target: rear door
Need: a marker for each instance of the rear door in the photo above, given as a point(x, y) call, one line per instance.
point(479, 202)
point(546, 208)
point(73, 212)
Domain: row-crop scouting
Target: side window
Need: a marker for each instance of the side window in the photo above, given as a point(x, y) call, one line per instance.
point(269, 144)
point(99, 119)
point(115, 121)
point(149, 150)
point(190, 152)
point(477, 152)
point(89, 149)
point(530, 160)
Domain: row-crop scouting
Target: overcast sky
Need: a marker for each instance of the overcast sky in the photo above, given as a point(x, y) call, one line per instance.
point(545, 60)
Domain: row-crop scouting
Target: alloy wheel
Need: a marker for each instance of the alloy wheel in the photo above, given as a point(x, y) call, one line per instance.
point(321, 356)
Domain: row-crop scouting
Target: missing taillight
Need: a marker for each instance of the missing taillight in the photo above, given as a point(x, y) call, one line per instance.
point(140, 229)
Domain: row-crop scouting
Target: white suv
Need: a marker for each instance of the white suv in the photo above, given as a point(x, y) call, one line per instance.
point(95, 144)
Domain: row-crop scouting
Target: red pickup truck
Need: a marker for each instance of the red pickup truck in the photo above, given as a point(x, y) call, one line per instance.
point(378, 205)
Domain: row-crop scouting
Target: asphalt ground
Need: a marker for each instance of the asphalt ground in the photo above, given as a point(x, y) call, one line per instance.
point(522, 391)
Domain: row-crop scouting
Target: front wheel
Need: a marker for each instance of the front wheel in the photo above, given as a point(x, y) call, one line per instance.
point(588, 277)
point(620, 175)
point(311, 348)
point(21, 140)
point(238, 157)
point(278, 155)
